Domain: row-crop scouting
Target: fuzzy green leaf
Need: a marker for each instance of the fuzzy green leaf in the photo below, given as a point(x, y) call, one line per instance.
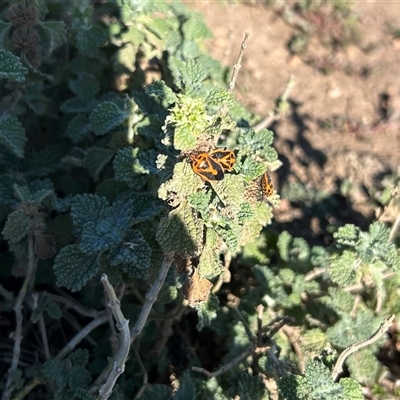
point(347, 235)
point(209, 264)
point(88, 41)
point(109, 230)
point(161, 91)
point(343, 268)
point(249, 386)
point(192, 76)
point(79, 377)
point(351, 330)
point(87, 208)
point(96, 159)
point(77, 105)
point(73, 268)
point(12, 135)
point(180, 232)
point(79, 357)
point(55, 370)
point(187, 390)
point(105, 116)
point(55, 35)
point(46, 304)
point(11, 67)
point(321, 381)
point(352, 390)
point(134, 255)
point(157, 392)
point(85, 86)
point(207, 311)
point(17, 226)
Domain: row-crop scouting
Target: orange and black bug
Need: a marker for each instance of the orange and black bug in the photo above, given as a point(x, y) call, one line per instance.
point(225, 157)
point(207, 167)
point(267, 186)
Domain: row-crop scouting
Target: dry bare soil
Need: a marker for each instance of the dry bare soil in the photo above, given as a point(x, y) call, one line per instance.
point(344, 124)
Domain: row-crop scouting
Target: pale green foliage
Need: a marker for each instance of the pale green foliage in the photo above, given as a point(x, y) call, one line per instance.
point(207, 311)
point(180, 232)
point(17, 226)
point(12, 135)
point(11, 67)
point(316, 384)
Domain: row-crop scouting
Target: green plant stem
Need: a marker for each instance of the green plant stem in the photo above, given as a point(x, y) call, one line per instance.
point(337, 370)
point(123, 351)
point(19, 318)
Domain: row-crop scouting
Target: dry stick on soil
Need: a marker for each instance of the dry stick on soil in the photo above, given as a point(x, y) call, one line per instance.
point(395, 229)
point(238, 65)
point(278, 111)
point(337, 370)
point(123, 351)
point(19, 318)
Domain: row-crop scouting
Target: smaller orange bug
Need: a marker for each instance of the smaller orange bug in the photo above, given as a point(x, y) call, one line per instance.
point(225, 157)
point(267, 186)
point(207, 167)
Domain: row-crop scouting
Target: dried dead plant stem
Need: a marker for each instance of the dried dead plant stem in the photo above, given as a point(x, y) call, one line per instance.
point(151, 298)
point(238, 65)
point(277, 113)
point(337, 370)
point(124, 345)
point(19, 318)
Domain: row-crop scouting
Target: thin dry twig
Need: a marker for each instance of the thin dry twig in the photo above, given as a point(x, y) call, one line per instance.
point(144, 372)
point(395, 229)
point(337, 370)
point(42, 328)
point(277, 113)
point(87, 312)
point(123, 351)
point(64, 352)
point(19, 318)
point(227, 366)
point(238, 65)
point(151, 298)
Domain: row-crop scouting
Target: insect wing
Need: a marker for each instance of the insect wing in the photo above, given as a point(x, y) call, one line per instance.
point(225, 157)
point(267, 185)
point(207, 168)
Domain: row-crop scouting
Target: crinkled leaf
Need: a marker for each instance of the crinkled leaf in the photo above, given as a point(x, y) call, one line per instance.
point(343, 268)
point(187, 390)
point(180, 232)
point(105, 116)
point(85, 86)
point(12, 135)
point(87, 208)
point(17, 226)
point(96, 159)
point(78, 128)
point(88, 41)
point(133, 255)
point(207, 311)
point(11, 67)
point(55, 33)
point(73, 268)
